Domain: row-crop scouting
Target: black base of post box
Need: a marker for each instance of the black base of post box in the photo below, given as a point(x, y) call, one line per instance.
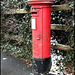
point(41, 65)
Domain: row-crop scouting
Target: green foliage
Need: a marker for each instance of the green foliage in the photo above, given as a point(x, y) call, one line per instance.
point(13, 50)
point(67, 36)
point(72, 4)
point(69, 58)
point(18, 26)
point(26, 35)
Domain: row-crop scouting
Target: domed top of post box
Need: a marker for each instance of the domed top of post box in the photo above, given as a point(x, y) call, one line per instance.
point(41, 1)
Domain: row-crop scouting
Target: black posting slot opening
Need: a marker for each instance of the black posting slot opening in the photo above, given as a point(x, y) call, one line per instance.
point(34, 12)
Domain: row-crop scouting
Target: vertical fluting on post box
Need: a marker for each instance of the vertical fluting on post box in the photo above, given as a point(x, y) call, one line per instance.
point(40, 25)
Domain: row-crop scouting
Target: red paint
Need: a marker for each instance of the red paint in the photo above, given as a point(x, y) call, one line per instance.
point(41, 10)
point(32, 2)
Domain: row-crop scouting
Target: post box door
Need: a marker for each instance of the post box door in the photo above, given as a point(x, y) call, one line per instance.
point(36, 25)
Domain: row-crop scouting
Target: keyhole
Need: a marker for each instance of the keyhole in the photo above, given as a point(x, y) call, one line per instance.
point(39, 35)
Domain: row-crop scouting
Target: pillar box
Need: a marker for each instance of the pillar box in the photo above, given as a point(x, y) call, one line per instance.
point(40, 25)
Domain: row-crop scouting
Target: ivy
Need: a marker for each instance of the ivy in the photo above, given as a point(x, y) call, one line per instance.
point(26, 35)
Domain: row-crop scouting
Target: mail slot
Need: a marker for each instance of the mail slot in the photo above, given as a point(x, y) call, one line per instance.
point(41, 34)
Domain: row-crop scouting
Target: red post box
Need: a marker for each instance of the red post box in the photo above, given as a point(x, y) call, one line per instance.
point(40, 25)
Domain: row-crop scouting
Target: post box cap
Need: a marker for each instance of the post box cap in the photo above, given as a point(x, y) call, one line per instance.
point(41, 1)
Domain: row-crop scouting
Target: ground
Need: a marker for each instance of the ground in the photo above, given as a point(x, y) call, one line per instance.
point(13, 66)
